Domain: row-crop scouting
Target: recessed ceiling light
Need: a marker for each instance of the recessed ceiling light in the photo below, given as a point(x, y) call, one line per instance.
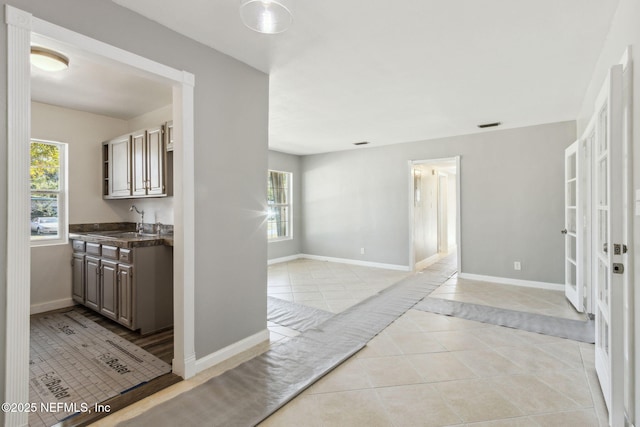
point(48, 60)
point(361, 143)
point(489, 125)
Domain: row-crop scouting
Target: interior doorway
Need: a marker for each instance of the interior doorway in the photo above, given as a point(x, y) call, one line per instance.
point(434, 210)
point(20, 26)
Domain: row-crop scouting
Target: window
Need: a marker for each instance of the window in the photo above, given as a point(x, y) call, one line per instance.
point(48, 193)
point(279, 202)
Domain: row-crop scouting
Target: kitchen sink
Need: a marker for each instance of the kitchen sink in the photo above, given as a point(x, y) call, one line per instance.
point(121, 235)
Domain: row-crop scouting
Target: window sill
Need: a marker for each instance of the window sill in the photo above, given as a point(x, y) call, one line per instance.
point(49, 242)
point(280, 239)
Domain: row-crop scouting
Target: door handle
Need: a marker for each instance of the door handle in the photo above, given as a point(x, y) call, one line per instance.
point(605, 248)
point(563, 231)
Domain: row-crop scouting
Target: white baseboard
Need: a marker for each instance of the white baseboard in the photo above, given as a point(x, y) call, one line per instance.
point(341, 261)
point(232, 350)
point(187, 368)
point(420, 265)
point(283, 259)
point(514, 282)
point(357, 262)
point(52, 305)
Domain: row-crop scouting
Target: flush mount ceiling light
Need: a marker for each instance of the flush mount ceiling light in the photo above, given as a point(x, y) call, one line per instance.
point(266, 16)
point(48, 60)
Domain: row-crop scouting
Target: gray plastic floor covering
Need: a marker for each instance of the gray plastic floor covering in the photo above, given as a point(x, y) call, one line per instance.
point(295, 316)
point(548, 325)
point(248, 394)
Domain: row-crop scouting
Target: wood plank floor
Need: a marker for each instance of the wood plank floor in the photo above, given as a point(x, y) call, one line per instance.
point(160, 344)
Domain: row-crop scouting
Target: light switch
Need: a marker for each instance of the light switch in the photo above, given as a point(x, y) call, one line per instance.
point(637, 202)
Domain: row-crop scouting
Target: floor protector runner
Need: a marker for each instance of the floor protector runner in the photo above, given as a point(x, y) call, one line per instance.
point(295, 316)
point(248, 394)
point(576, 330)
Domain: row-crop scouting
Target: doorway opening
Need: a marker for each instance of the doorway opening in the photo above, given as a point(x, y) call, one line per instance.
point(434, 211)
point(21, 26)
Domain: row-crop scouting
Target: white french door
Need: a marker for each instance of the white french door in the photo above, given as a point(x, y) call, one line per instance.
point(574, 288)
point(608, 245)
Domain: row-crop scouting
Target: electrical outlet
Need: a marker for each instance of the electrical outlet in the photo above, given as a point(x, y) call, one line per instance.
point(516, 265)
point(361, 251)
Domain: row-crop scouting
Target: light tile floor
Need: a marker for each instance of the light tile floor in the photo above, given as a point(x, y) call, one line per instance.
point(432, 370)
point(325, 285)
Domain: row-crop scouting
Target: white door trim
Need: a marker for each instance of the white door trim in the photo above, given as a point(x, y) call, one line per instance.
point(411, 164)
point(16, 386)
point(20, 25)
point(632, 386)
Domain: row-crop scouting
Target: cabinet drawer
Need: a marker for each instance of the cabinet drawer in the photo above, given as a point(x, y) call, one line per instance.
point(93, 248)
point(110, 252)
point(78, 245)
point(126, 255)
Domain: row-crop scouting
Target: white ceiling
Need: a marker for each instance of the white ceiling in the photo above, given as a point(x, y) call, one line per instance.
point(391, 72)
point(95, 85)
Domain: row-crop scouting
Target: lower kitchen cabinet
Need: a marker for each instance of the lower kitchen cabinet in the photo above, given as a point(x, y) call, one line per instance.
point(92, 282)
point(132, 286)
point(77, 287)
point(109, 289)
point(125, 295)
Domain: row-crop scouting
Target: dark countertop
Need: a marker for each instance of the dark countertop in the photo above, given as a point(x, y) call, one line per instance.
point(138, 241)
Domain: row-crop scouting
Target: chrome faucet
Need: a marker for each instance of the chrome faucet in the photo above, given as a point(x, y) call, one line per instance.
point(139, 225)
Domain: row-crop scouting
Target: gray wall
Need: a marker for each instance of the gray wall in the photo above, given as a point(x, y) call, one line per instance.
point(231, 115)
point(288, 163)
point(511, 201)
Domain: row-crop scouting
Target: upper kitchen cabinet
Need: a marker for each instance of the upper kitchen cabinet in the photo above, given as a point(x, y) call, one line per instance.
point(136, 165)
point(168, 135)
point(117, 170)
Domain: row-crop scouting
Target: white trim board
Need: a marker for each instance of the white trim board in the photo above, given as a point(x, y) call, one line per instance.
point(232, 350)
point(341, 261)
point(421, 265)
point(52, 305)
point(513, 282)
point(283, 259)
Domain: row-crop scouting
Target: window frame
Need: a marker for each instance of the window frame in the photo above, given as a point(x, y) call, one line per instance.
point(62, 238)
point(289, 205)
